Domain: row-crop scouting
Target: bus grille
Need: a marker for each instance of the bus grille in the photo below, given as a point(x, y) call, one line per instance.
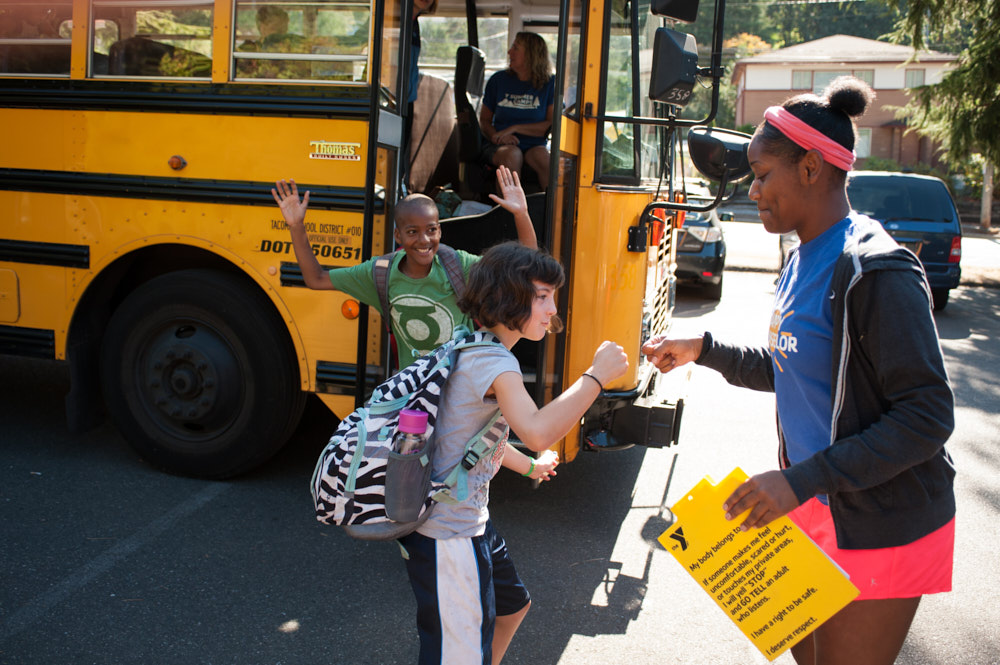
point(663, 301)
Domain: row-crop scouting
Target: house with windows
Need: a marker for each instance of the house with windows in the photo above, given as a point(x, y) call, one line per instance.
point(770, 78)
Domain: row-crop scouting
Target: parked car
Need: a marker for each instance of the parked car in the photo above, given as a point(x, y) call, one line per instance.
point(701, 251)
point(920, 214)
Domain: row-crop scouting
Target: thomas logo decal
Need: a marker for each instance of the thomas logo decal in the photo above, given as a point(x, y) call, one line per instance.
point(350, 152)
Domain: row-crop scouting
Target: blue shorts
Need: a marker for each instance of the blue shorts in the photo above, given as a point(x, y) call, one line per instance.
point(461, 585)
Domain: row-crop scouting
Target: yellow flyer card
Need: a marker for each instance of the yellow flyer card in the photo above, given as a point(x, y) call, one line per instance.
point(775, 583)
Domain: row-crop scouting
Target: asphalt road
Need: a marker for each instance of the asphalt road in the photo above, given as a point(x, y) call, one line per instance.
point(104, 560)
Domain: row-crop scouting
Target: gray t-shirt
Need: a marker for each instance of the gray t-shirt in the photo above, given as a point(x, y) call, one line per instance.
point(464, 411)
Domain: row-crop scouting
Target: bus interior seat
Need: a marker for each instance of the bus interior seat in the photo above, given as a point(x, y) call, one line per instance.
point(137, 56)
point(35, 59)
point(474, 177)
point(141, 56)
point(433, 145)
point(470, 69)
point(99, 64)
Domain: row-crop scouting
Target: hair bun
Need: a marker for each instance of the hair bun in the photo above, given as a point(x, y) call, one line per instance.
point(850, 95)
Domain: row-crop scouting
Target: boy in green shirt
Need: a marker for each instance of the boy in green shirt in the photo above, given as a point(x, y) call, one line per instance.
point(423, 308)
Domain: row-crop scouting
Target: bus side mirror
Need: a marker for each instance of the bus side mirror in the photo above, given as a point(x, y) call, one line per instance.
point(720, 154)
point(675, 67)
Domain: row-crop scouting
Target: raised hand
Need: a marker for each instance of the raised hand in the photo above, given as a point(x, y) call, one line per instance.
point(511, 196)
point(286, 195)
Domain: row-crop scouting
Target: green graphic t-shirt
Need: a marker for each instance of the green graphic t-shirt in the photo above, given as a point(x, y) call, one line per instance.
point(424, 311)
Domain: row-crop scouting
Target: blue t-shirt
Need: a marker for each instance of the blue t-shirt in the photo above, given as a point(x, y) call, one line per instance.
point(514, 102)
point(800, 341)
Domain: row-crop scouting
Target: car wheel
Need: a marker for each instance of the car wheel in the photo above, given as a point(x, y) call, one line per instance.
point(940, 298)
point(199, 376)
point(714, 291)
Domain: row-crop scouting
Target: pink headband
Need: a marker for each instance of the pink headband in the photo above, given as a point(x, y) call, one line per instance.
point(809, 137)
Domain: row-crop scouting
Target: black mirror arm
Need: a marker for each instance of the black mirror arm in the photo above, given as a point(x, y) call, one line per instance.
point(730, 195)
point(687, 207)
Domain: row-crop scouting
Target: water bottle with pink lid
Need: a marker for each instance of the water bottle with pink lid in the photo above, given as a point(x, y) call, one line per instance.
point(412, 428)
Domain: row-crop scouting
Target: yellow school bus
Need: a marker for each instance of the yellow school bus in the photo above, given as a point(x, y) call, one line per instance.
point(139, 241)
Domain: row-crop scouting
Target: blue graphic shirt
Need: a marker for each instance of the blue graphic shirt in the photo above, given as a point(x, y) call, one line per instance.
point(515, 102)
point(800, 342)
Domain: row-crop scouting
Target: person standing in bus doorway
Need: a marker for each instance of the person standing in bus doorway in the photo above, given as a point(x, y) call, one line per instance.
point(863, 399)
point(516, 114)
point(423, 307)
point(470, 599)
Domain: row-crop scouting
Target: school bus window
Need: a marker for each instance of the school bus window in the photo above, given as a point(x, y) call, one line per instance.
point(629, 151)
point(439, 36)
point(321, 41)
point(105, 34)
point(155, 38)
point(390, 81)
point(35, 38)
point(618, 155)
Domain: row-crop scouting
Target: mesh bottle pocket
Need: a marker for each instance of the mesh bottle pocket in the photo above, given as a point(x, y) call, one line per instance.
point(407, 485)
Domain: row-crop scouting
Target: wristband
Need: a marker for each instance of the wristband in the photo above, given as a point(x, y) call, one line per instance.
point(595, 379)
point(531, 470)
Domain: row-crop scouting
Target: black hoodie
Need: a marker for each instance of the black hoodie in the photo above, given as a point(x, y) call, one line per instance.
point(886, 472)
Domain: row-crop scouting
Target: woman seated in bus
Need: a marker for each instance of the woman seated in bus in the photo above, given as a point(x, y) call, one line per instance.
point(517, 109)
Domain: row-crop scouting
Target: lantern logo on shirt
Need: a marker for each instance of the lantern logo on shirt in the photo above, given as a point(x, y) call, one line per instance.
point(425, 323)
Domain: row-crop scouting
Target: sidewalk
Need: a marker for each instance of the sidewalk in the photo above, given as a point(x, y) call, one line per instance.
point(750, 248)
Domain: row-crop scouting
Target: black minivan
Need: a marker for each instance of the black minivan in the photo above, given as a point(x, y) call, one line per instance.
point(920, 214)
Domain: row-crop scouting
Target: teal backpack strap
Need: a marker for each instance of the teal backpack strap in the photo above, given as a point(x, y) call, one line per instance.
point(478, 447)
point(359, 452)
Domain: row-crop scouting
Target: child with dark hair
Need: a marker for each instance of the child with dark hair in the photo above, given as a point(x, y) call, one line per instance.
point(470, 600)
point(864, 403)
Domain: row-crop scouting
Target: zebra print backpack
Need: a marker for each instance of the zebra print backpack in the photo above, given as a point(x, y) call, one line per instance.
point(349, 485)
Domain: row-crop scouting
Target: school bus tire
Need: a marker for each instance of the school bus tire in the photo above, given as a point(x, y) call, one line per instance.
point(198, 374)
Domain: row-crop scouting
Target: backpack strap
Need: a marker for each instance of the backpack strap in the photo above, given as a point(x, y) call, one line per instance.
point(359, 453)
point(453, 268)
point(479, 446)
point(380, 274)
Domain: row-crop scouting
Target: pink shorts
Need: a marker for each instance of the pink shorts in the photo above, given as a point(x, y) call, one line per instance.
point(918, 568)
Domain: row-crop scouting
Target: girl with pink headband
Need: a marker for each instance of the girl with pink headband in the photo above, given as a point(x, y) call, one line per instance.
point(863, 400)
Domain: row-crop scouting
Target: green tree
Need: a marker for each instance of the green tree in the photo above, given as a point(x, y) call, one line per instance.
point(963, 110)
point(797, 22)
point(733, 48)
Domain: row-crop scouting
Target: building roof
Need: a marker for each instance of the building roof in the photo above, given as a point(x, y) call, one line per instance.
point(843, 48)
